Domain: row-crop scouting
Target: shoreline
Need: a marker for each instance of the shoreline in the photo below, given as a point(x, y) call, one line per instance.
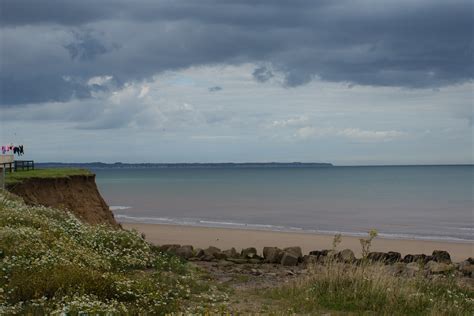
point(225, 238)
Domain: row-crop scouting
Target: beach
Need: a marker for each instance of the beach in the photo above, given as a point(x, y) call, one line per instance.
point(225, 238)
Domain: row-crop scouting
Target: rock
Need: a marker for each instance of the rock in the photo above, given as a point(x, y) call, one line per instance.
point(210, 251)
point(237, 260)
point(393, 257)
point(441, 256)
point(248, 252)
point(289, 259)
point(185, 252)
point(310, 259)
point(438, 267)
point(225, 263)
point(294, 250)
point(470, 260)
point(390, 257)
point(169, 248)
point(289, 272)
point(466, 268)
point(396, 269)
point(377, 256)
point(220, 256)
point(194, 259)
point(411, 269)
point(231, 253)
point(345, 255)
point(256, 260)
point(272, 254)
point(198, 252)
point(319, 253)
point(419, 258)
point(208, 258)
point(255, 272)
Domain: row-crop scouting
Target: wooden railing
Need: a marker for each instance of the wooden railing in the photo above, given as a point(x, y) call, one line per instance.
point(18, 165)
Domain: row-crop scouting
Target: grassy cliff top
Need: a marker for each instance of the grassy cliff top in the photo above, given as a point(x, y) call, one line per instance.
point(19, 176)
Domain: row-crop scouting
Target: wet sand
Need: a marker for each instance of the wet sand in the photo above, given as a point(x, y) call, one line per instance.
point(225, 238)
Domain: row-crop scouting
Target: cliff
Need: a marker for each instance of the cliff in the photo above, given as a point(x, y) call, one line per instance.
point(76, 193)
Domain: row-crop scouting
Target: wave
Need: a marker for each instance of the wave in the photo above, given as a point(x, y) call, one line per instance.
point(237, 225)
point(119, 207)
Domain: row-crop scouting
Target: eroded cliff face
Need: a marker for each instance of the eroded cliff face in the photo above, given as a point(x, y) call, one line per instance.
point(78, 194)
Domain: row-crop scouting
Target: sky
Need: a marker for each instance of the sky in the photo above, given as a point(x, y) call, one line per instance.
point(348, 82)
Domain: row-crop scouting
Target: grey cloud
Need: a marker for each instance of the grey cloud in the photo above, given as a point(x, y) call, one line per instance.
point(262, 74)
point(85, 47)
point(215, 89)
point(413, 44)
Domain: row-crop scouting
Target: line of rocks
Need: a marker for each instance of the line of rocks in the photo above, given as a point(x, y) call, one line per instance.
point(438, 262)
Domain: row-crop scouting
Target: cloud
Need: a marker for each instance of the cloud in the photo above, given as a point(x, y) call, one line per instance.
point(215, 89)
point(262, 74)
point(86, 47)
point(412, 44)
point(356, 134)
point(294, 121)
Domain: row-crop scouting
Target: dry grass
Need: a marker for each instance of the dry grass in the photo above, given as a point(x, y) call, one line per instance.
point(372, 289)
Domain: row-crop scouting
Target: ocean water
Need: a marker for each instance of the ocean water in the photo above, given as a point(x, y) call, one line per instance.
point(415, 202)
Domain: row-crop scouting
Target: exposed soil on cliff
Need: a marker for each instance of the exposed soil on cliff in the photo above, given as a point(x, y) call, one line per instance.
point(77, 193)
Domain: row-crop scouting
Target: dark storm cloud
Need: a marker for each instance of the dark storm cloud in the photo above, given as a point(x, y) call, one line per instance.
point(414, 44)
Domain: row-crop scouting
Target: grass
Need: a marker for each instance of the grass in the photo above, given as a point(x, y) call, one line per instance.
point(51, 263)
point(18, 176)
point(370, 289)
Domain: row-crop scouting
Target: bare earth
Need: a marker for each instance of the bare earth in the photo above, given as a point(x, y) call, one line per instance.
point(225, 238)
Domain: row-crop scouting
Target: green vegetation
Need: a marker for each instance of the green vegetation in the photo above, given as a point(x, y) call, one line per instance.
point(19, 176)
point(53, 263)
point(371, 288)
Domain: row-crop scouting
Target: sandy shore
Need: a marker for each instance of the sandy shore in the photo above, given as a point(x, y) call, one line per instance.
point(225, 238)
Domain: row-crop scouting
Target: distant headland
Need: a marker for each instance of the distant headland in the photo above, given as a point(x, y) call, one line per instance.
point(102, 165)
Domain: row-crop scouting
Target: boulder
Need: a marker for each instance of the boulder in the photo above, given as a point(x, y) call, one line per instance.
point(238, 260)
point(441, 256)
point(231, 253)
point(185, 252)
point(411, 269)
point(396, 269)
point(345, 255)
point(466, 268)
point(289, 259)
point(377, 256)
point(169, 248)
point(248, 253)
point(208, 258)
point(198, 252)
point(210, 251)
point(393, 257)
point(419, 258)
point(272, 254)
point(255, 260)
point(220, 256)
point(438, 267)
point(470, 260)
point(319, 253)
point(386, 257)
point(225, 263)
point(296, 251)
point(310, 259)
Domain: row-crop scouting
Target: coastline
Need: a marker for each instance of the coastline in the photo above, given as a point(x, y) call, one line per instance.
point(225, 238)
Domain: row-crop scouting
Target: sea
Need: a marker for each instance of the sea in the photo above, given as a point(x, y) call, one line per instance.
point(405, 202)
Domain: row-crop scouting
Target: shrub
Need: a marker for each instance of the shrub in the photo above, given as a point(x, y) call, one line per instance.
point(53, 263)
